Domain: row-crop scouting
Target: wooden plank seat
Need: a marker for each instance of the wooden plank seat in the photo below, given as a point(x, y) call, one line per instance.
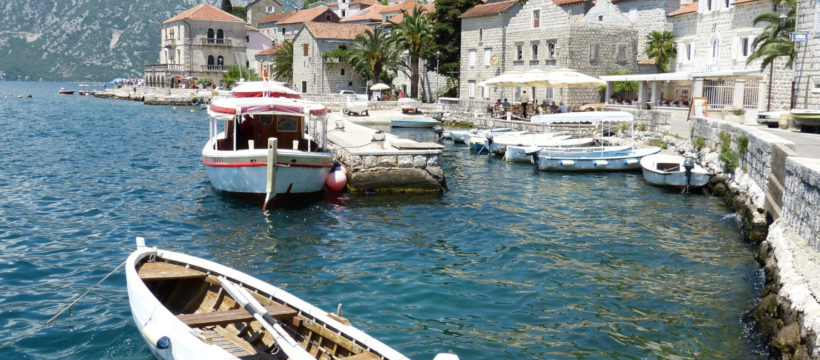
point(362, 356)
point(164, 271)
point(225, 317)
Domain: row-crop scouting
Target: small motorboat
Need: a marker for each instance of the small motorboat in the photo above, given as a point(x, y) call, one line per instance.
point(628, 159)
point(409, 105)
point(414, 123)
point(461, 136)
point(674, 171)
point(66, 92)
point(497, 144)
point(84, 92)
point(355, 106)
point(191, 308)
point(524, 154)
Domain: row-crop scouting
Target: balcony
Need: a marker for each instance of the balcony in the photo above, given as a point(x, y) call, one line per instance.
point(214, 68)
point(216, 42)
point(169, 43)
point(164, 68)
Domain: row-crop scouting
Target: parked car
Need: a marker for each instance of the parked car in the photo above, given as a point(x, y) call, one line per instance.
point(770, 118)
point(347, 92)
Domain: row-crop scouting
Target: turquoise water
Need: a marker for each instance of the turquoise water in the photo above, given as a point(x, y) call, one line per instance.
point(510, 263)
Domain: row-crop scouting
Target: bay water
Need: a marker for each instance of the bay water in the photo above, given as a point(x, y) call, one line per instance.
point(510, 263)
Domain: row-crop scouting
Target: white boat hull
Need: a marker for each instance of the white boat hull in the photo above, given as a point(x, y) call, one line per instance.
point(605, 161)
point(408, 104)
point(414, 123)
point(481, 143)
point(514, 153)
point(357, 107)
point(246, 171)
point(153, 320)
point(462, 136)
point(668, 170)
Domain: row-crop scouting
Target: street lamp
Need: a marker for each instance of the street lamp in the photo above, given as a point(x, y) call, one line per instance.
point(438, 53)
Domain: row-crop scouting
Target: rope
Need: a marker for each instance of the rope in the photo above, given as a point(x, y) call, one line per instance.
point(86, 293)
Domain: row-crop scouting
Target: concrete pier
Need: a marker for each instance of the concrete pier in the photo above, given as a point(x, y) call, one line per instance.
point(380, 162)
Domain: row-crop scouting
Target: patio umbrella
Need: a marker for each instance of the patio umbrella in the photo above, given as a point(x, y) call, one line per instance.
point(379, 87)
point(508, 79)
point(562, 77)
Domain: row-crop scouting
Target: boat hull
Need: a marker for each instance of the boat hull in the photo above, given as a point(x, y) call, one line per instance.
point(414, 123)
point(668, 176)
point(606, 161)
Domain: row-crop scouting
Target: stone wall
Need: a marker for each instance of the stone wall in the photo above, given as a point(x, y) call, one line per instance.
point(801, 200)
point(392, 171)
point(480, 34)
point(807, 64)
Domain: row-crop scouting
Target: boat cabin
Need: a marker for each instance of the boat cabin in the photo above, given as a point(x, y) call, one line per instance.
point(257, 128)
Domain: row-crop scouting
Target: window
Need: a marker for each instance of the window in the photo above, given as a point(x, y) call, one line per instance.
point(349, 83)
point(304, 86)
point(343, 13)
point(600, 18)
point(815, 86)
point(485, 92)
point(709, 5)
point(210, 60)
point(621, 55)
point(270, 9)
point(488, 54)
point(172, 33)
point(247, 64)
point(343, 72)
point(594, 50)
point(519, 52)
point(715, 49)
point(179, 58)
point(220, 60)
point(550, 49)
point(536, 18)
point(305, 49)
point(534, 51)
point(247, 38)
point(283, 31)
point(220, 34)
point(744, 47)
point(689, 51)
point(327, 17)
point(471, 88)
point(472, 59)
point(480, 34)
point(727, 3)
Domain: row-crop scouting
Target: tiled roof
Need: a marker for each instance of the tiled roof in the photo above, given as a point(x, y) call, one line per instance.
point(251, 28)
point(425, 9)
point(324, 30)
point(566, 2)
point(488, 9)
point(269, 51)
point(686, 9)
point(204, 12)
point(306, 15)
point(372, 13)
point(364, 2)
point(274, 18)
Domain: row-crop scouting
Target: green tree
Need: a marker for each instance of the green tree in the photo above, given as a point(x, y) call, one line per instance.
point(307, 3)
point(447, 36)
point(240, 12)
point(775, 39)
point(372, 54)
point(283, 63)
point(227, 7)
point(414, 33)
point(236, 72)
point(661, 47)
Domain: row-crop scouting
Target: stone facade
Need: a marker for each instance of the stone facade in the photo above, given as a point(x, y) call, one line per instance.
point(801, 200)
point(314, 74)
point(257, 9)
point(807, 64)
point(256, 43)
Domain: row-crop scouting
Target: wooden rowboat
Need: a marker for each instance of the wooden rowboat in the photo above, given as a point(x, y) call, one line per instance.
point(190, 308)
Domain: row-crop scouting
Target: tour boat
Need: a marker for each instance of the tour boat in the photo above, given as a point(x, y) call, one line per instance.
point(409, 104)
point(461, 136)
point(65, 92)
point(236, 154)
point(414, 123)
point(674, 171)
point(186, 307)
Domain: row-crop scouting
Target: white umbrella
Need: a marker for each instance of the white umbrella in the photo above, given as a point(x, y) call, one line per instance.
point(539, 78)
point(379, 87)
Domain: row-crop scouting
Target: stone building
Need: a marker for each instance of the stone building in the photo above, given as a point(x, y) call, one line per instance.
point(346, 8)
point(807, 64)
point(256, 42)
point(200, 42)
point(509, 36)
point(284, 26)
point(257, 9)
point(312, 73)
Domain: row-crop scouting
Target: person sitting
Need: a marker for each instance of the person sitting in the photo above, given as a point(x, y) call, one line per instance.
point(562, 107)
point(505, 104)
point(554, 107)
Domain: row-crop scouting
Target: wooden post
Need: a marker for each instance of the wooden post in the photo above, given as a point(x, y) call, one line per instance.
point(271, 184)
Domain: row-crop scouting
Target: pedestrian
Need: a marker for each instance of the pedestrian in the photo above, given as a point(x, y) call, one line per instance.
point(562, 107)
point(525, 99)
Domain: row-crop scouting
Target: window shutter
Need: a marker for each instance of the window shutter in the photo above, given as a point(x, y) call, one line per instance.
point(681, 53)
point(735, 47)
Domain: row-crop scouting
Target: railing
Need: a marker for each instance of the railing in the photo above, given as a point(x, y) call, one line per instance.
point(164, 67)
point(750, 92)
point(215, 68)
point(719, 93)
point(170, 42)
point(216, 42)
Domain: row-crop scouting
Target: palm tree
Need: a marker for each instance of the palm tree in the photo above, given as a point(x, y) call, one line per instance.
point(775, 39)
point(413, 33)
point(661, 47)
point(283, 64)
point(373, 53)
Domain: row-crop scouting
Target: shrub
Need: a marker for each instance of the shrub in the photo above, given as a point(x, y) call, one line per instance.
point(699, 143)
point(730, 161)
point(665, 145)
point(742, 144)
point(739, 112)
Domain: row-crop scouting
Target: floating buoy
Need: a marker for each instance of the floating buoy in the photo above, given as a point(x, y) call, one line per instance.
point(192, 110)
point(336, 178)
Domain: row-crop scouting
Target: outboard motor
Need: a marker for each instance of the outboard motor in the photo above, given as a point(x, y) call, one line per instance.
point(439, 132)
point(534, 156)
point(688, 164)
point(489, 142)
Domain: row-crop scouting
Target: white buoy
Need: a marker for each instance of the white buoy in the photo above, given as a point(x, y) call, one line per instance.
point(337, 179)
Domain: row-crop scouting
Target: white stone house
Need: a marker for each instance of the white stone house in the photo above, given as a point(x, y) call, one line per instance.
point(346, 8)
point(269, 25)
point(256, 42)
point(257, 9)
point(314, 74)
point(542, 34)
point(292, 24)
point(200, 42)
point(807, 65)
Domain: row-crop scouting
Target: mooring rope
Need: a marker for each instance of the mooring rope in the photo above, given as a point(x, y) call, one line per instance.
point(86, 292)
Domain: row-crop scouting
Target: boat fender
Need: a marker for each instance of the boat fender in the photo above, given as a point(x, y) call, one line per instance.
point(154, 335)
point(597, 163)
point(566, 162)
point(336, 178)
point(446, 356)
point(630, 161)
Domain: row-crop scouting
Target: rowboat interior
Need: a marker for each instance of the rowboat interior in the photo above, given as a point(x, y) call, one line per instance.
point(259, 127)
point(198, 299)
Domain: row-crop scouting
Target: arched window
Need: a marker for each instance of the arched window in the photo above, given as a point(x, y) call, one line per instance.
point(220, 61)
point(220, 34)
point(210, 60)
point(210, 33)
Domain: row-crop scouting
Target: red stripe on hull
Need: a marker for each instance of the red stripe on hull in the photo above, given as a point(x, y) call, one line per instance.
point(214, 164)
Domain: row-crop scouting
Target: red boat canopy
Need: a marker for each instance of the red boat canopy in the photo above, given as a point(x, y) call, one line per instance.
point(233, 106)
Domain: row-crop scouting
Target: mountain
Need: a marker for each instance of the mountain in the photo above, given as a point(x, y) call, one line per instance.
point(84, 40)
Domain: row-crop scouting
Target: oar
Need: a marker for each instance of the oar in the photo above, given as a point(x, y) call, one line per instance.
point(282, 338)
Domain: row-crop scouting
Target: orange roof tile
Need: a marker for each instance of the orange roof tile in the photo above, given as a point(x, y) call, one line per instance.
point(324, 30)
point(274, 18)
point(306, 15)
point(364, 2)
point(488, 9)
point(685, 9)
point(372, 13)
point(743, 1)
point(269, 51)
point(566, 2)
point(203, 12)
